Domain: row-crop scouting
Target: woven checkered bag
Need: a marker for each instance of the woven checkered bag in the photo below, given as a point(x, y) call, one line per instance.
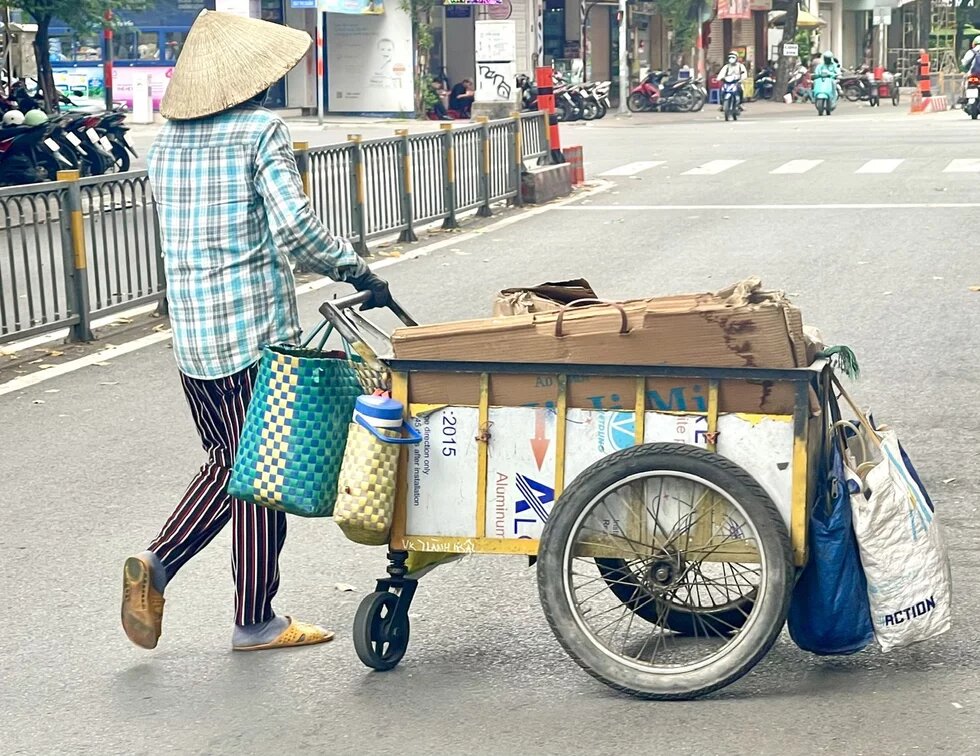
point(295, 431)
point(366, 493)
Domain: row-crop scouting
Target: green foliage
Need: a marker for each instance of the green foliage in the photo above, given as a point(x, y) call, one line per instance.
point(421, 12)
point(681, 18)
point(79, 15)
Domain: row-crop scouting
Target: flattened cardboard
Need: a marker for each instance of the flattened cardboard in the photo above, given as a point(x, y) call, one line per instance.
point(592, 392)
point(442, 470)
point(546, 297)
point(522, 460)
point(754, 329)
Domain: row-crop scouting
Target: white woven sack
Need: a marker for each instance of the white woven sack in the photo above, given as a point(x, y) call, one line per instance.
point(902, 550)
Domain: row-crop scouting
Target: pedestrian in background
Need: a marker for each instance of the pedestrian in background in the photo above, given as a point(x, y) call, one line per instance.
point(231, 211)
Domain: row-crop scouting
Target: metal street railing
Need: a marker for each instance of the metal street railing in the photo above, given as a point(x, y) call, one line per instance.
point(79, 248)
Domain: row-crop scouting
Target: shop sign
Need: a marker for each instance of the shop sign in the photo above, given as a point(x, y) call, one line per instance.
point(299, 4)
point(734, 9)
point(353, 7)
point(472, 2)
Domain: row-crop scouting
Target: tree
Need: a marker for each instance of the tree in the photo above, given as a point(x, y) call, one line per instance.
point(789, 37)
point(682, 18)
point(421, 12)
point(79, 15)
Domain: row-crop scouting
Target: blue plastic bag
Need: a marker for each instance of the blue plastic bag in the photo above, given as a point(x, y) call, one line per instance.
point(829, 613)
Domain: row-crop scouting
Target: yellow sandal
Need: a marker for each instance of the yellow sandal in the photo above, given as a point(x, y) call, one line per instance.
point(296, 634)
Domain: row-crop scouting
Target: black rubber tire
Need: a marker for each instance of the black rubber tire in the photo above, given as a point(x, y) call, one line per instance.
point(121, 156)
point(729, 108)
point(776, 587)
point(602, 112)
point(681, 620)
point(896, 96)
point(699, 100)
point(380, 635)
point(820, 104)
point(637, 103)
point(852, 92)
point(974, 114)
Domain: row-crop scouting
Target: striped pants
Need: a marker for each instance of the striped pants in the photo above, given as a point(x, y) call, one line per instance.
point(218, 408)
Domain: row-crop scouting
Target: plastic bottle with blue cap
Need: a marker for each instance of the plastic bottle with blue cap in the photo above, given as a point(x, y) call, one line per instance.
point(382, 413)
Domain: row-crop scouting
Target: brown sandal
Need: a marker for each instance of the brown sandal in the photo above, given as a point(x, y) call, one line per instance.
point(142, 604)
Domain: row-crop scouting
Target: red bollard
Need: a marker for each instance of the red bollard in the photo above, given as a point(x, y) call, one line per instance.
point(544, 79)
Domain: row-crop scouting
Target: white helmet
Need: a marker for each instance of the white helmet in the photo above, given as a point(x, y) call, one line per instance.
point(13, 118)
point(976, 41)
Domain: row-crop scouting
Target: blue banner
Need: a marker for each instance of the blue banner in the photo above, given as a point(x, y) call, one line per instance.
point(302, 4)
point(353, 7)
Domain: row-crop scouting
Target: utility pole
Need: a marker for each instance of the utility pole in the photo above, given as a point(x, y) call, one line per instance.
point(624, 72)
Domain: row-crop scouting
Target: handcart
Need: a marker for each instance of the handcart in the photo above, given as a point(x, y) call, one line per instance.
point(667, 531)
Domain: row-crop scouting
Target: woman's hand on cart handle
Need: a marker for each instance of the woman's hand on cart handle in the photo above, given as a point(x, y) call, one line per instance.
point(360, 298)
point(373, 285)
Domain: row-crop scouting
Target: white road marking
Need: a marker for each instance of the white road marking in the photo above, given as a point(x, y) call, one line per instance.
point(26, 381)
point(880, 166)
point(963, 165)
point(453, 240)
point(712, 167)
point(797, 166)
point(631, 169)
point(795, 208)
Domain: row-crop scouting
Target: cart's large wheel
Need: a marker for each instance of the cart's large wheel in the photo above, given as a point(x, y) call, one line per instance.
point(695, 525)
point(710, 607)
point(380, 633)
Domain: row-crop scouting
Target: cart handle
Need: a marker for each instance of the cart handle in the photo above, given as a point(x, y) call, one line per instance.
point(350, 324)
point(624, 328)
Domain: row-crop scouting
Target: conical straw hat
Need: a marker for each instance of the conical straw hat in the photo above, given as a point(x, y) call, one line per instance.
point(227, 60)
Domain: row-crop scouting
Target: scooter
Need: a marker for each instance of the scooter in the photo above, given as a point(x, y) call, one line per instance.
point(825, 93)
point(971, 103)
point(730, 87)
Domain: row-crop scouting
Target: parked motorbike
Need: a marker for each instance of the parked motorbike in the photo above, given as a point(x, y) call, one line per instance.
point(859, 85)
point(657, 92)
point(765, 83)
point(825, 93)
point(971, 104)
point(112, 126)
point(730, 90)
point(28, 156)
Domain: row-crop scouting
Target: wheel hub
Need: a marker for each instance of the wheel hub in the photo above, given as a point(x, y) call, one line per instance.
point(664, 571)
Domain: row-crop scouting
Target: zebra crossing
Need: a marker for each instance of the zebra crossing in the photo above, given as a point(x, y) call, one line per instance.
point(796, 167)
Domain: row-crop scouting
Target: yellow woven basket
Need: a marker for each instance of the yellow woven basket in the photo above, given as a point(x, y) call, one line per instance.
point(366, 489)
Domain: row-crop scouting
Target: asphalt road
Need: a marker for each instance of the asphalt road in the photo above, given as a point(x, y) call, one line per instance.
point(93, 461)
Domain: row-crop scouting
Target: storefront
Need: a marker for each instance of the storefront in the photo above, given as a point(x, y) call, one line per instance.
point(148, 43)
point(740, 25)
point(453, 54)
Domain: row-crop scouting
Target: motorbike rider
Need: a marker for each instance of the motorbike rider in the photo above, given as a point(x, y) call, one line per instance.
point(971, 62)
point(971, 59)
point(828, 67)
point(733, 69)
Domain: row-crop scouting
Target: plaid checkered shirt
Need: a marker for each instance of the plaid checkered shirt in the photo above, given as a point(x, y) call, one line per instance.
point(231, 210)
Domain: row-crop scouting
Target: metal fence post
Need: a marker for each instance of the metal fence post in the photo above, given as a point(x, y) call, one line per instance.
point(302, 152)
point(358, 213)
point(449, 176)
point(518, 158)
point(405, 150)
point(78, 275)
point(163, 307)
point(484, 210)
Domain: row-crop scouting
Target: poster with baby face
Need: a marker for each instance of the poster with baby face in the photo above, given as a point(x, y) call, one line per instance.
point(369, 63)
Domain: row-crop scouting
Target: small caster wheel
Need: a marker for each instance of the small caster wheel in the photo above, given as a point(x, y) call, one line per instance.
point(380, 633)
